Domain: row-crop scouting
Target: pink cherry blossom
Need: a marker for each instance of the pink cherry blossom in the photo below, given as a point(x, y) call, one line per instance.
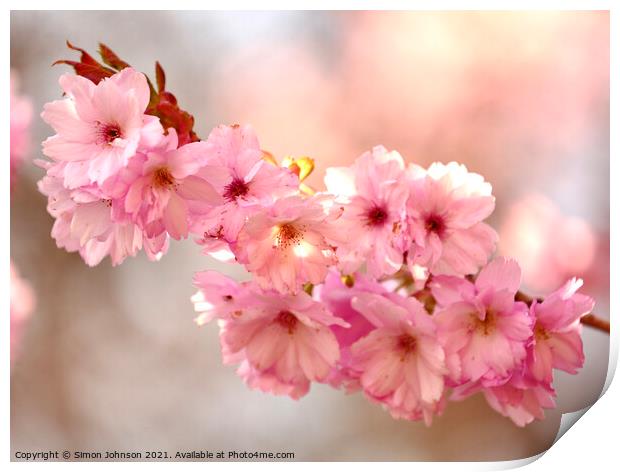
point(99, 127)
point(269, 381)
point(283, 342)
point(521, 404)
point(521, 398)
point(373, 192)
point(485, 332)
point(446, 207)
point(400, 364)
point(22, 304)
point(160, 188)
point(21, 116)
point(557, 332)
point(288, 244)
point(218, 296)
point(84, 222)
point(337, 297)
point(244, 180)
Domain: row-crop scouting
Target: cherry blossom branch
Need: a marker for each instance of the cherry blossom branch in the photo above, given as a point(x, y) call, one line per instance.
point(131, 174)
point(595, 322)
point(589, 320)
point(428, 300)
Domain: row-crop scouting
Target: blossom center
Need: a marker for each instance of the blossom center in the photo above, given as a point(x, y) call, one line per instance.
point(109, 132)
point(435, 224)
point(487, 325)
point(287, 320)
point(540, 333)
point(287, 235)
point(406, 345)
point(162, 178)
point(376, 216)
point(235, 189)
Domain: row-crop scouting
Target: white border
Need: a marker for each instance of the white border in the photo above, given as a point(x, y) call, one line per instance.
point(592, 443)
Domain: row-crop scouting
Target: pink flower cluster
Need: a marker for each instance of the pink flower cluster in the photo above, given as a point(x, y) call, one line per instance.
point(118, 182)
point(384, 283)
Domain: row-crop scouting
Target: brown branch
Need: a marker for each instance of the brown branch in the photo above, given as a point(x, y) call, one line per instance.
point(522, 297)
point(595, 322)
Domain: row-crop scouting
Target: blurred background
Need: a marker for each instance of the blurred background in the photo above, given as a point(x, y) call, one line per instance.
point(111, 359)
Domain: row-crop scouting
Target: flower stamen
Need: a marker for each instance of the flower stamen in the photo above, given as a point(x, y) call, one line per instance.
point(107, 133)
point(287, 320)
point(406, 345)
point(235, 189)
point(376, 216)
point(162, 178)
point(287, 235)
point(435, 224)
point(487, 325)
point(540, 333)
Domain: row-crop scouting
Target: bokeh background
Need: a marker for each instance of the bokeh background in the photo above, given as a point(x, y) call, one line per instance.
point(111, 358)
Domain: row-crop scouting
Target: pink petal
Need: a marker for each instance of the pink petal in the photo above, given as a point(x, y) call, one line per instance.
point(567, 350)
point(500, 274)
point(195, 188)
point(175, 217)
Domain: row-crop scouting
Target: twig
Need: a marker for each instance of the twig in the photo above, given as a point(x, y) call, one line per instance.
point(595, 322)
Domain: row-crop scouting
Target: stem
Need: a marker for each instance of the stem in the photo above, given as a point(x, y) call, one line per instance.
point(595, 322)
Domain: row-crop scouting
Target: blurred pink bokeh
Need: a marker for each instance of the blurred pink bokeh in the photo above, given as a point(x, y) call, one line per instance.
point(550, 246)
point(21, 117)
point(22, 304)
